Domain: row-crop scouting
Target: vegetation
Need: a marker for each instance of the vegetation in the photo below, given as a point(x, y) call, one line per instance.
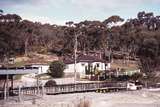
point(18, 77)
point(56, 69)
point(50, 83)
point(137, 76)
point(44, 76)
point(83, 103)
point(138, 37)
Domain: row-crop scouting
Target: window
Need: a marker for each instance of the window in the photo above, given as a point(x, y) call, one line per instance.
point(97, 64)
point(106, 65)
point(82, 64)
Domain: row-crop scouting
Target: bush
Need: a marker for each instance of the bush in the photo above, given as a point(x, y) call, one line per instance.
point(50, 83)
point(56, 69)
point(137, 76)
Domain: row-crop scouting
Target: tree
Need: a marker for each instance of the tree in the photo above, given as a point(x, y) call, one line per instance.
point(1, 12)
point(137, 76)
point(70, 23)
point(113, 19)
point(56, 69)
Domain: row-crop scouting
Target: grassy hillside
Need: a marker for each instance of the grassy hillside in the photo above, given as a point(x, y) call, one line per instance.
point(34, 58)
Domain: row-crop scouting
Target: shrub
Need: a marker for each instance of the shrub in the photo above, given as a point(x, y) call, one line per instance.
point(56, 69)
point(137, 76)
point(50, 83)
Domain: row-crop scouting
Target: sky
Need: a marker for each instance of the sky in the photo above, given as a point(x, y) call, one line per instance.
point(61, 11)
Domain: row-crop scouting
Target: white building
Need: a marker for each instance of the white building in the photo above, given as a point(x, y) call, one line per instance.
point(84, 63)
point(42, 68)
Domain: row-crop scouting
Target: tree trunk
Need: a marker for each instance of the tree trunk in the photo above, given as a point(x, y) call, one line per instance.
point(26, 46)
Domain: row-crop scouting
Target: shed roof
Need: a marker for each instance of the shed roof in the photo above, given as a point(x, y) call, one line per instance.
point(20, 70)
point(83, 58)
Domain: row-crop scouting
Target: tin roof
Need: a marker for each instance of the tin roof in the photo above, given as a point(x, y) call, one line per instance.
point(19, 70)
point(83, 58)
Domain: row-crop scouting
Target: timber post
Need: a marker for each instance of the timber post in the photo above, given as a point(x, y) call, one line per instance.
point(19, 94)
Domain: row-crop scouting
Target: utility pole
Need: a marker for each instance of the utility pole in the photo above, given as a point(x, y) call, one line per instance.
point(110, 55)
point(75, 58)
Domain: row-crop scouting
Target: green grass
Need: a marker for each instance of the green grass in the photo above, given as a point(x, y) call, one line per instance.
point(44, 76)
point(17, 77)
point(19, 64)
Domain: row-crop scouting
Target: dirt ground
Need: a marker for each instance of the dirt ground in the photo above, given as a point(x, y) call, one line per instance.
point(142, 98)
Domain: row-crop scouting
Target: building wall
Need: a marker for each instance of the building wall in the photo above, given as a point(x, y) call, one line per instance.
point(42, 68)
point(101, 66)
point(69, 68)
point(81, 67)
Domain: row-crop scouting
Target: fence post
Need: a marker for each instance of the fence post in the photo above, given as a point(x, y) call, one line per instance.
point(42, 90)
point(37, 85)
point(5, 92)
point(19, 94)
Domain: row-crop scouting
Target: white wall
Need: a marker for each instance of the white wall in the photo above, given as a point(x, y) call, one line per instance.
point(108, 66)
point(42, 68)
point(69, 68)
point(80, 67)
point(102, 66)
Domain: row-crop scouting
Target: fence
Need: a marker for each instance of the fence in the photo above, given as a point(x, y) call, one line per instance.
point(68, 88)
